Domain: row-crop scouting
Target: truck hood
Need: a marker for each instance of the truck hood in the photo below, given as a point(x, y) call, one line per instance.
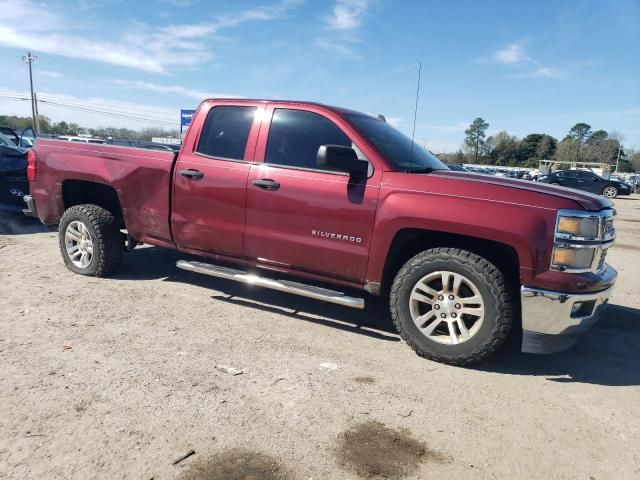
point(496, 188)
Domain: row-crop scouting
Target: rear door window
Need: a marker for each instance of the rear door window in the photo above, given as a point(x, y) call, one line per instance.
point(226, 131)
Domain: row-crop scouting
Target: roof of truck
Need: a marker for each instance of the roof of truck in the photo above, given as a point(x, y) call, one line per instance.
point(290, 102)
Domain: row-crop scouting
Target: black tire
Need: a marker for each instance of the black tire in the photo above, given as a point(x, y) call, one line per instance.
point(104, 233)
point(489, 281)
point(555, 183)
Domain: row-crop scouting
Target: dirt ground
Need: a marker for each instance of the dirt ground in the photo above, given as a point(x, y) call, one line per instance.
point(122, 377)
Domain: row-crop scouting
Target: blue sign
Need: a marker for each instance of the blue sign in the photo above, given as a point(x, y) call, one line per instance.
point(185, 117)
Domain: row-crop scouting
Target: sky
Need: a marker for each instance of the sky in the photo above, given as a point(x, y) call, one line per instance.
point(525, 67)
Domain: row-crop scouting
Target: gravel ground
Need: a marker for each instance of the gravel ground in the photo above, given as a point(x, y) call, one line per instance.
point(120, 377)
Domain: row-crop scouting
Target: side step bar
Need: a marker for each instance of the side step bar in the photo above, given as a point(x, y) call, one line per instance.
point(295, 288)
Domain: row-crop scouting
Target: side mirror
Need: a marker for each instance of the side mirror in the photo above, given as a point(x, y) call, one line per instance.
point(341, 159)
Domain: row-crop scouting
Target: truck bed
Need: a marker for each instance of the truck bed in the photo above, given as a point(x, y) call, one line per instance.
point(61, 165)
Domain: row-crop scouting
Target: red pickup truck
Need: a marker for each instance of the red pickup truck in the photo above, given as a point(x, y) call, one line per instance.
point(340, 200)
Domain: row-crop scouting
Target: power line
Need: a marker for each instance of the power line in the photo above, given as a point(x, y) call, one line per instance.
point(77, 107)
point(104, 106)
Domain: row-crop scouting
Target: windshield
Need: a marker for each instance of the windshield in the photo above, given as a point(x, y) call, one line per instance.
point(395, 146)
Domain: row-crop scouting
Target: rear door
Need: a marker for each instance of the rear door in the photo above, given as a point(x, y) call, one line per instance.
point(301, 217)
point(590, 182)
point(210, 179)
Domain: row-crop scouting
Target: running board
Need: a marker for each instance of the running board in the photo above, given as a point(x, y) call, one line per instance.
point(295, 288)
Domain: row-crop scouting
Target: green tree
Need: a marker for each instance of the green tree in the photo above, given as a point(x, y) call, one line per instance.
point(566, 151)
point(475, 137)
point(505, 150)
point(546, 147)
point(580, 132)
point(597, 136)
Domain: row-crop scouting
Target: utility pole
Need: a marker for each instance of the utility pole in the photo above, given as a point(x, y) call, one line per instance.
point(35, 101)
point(30, 59)
point(618, 159)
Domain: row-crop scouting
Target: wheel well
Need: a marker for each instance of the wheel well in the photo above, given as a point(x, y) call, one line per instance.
point(409, 242)
point(77, 192)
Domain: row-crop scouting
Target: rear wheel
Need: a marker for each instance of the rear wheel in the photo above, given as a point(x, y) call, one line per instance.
point(555, 183)
point(610, 192)
point(90, 240)
point(451, 305)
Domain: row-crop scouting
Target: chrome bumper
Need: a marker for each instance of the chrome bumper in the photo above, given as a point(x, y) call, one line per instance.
point(552, 321)
point(31, 206)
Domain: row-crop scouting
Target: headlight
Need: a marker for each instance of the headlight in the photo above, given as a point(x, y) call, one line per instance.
point(570, 258)
point(582, 227)
point(581, 240)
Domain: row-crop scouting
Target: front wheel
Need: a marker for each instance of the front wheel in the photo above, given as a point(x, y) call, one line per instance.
point(90, 240)
point(610, 192)
point(451, 305)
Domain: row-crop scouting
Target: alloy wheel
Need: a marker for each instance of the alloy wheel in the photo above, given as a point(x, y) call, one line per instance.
point(78, 243)
point(447, 307)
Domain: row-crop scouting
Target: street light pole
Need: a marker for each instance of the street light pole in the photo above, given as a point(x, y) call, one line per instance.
point(30, 59)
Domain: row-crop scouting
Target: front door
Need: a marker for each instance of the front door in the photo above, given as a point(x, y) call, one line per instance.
point(299, 216)
point(210, 180)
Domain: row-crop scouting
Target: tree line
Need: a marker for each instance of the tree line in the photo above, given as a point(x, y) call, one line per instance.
point(581, 144)
point(63, 128)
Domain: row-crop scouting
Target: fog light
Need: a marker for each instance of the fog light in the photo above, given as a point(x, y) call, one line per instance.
point(582, 309)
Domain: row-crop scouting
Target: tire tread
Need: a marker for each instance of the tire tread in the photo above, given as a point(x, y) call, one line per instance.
point(108, 244)
point(499, 292)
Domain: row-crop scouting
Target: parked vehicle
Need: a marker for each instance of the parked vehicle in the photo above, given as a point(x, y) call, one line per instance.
point(340, 198)
point(78, 139)
point(13, 175)
point(143, 144)
point(24, 140)
point(587, 181)
point(456, 167)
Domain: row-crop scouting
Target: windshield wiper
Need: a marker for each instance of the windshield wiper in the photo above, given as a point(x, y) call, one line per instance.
point(418, 169)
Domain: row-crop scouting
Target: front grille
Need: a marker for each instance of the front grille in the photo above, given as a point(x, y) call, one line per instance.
point(607, 227)
point(603, 257)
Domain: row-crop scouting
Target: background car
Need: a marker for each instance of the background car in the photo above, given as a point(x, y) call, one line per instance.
point(13, 174)
point(456, 167)
point(587, 181)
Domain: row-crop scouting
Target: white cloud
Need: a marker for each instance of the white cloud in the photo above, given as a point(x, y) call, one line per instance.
point(25, 24)
point(540, 72)
point(525, 65)
point(50, 74)
point(347, 14)
point(339, 48)
point(344, 21)
point(510, 55)
point(171, 89)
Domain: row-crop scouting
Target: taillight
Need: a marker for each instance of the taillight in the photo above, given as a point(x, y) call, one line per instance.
point(31, 165)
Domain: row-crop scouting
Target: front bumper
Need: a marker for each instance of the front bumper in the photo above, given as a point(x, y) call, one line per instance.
point(552, 321)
